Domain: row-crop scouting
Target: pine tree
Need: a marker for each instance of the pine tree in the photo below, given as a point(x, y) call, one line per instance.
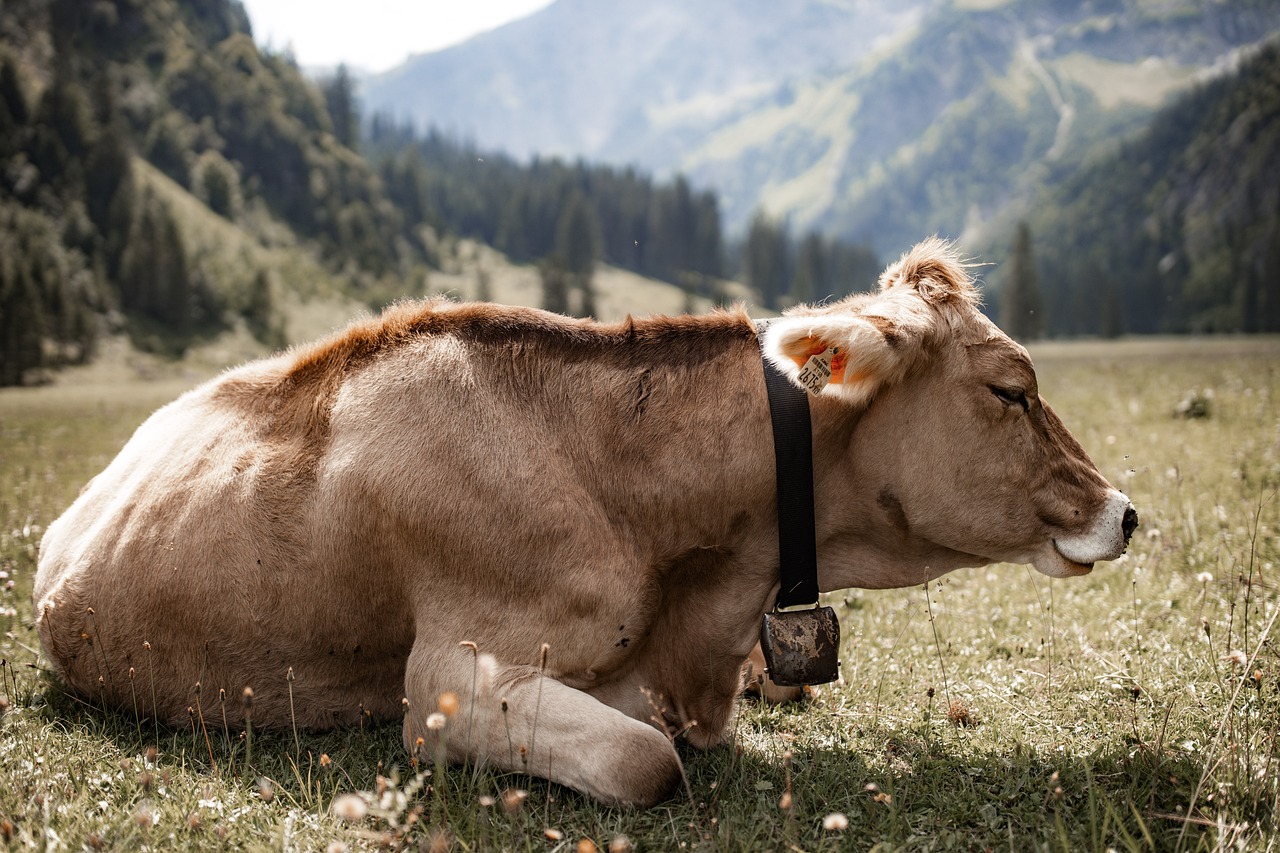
point(110, 164)
point(1111, 317)
point(12, 95)
point(340, 98)
point(809, 283)
point(1021, 310)
point(577, 236)
point(765, 260)
point(260, 314)
point(22, 324)
point(555, 285)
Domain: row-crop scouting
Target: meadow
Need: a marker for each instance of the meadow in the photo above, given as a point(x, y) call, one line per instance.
point(1135, 708)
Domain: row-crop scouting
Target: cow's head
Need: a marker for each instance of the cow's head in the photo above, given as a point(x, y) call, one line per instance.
point(966, 462)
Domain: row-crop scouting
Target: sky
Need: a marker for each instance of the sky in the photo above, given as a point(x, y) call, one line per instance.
point(375, 35)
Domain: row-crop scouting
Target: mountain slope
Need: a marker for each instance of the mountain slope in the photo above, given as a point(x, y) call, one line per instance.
point(875, 121)
point(630, 82)
point(1177, 229)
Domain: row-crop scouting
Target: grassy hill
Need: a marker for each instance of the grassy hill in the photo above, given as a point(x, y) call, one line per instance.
point(164, 179)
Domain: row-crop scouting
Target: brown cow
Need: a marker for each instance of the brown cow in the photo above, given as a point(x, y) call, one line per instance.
point(568, 525)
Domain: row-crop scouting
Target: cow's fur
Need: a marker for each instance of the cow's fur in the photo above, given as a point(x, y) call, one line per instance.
point(568, 525)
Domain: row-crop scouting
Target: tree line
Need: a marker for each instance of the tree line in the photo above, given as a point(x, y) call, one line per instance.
point(556, 213)
point(91, 244)
point(1175, 230)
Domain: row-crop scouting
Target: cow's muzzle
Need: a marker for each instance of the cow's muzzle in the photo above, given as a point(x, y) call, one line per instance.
point(1107, 537)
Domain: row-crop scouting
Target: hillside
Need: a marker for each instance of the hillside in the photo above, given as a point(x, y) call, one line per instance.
point(1176, 228)
point(871, 121)
point(163, 178)
point(630, 83)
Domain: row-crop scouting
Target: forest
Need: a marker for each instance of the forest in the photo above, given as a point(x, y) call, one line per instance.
point(137, 134)
point(1175, 229)
point(103, 105)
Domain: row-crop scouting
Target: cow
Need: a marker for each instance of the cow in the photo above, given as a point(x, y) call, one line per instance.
point(561, 533)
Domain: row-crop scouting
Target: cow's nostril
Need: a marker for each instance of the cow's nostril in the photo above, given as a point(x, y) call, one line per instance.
point(1129, 523)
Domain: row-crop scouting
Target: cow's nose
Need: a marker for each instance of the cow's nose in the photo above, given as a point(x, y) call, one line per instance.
point(1129, 523)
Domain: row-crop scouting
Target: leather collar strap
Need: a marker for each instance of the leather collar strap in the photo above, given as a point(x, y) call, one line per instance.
point(793, 461)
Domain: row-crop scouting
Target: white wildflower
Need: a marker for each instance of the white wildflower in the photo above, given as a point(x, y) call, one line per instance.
point(349, 807)
point(835, 822)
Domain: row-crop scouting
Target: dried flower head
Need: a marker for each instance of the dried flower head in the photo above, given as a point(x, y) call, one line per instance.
point(1237, 657)
point(553, 834)
point(785, 802)
point(1205, 577)
point(835, 822)
point(958, 714)
point(349, 807)
point(336, 847)
point(436, 721)
point(586, 845)
point(448, 703)
point(325, 760)
point(265, 789)
point(513, 800)
point(621, 844)
point(439, 840)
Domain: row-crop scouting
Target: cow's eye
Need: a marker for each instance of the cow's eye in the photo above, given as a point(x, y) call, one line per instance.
point(1011, 396)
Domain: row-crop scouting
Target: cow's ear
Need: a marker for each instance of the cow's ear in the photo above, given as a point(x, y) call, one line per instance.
point(860, 351)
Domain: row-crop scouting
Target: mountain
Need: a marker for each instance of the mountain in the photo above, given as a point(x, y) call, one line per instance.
point(162, 177)
point(631, 81)
point(1175, 228)
point(873, 120)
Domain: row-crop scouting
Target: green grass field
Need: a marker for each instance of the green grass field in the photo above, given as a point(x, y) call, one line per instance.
point(1136, 708)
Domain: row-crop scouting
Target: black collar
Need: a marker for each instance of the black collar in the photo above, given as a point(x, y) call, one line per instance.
point(793, 462)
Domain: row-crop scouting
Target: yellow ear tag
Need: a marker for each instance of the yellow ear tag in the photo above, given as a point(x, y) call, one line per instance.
point(816, 372)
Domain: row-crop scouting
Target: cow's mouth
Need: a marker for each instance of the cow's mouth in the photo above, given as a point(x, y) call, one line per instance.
point(1052, 562)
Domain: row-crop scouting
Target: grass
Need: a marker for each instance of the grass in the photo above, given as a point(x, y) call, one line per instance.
point(1136, 708)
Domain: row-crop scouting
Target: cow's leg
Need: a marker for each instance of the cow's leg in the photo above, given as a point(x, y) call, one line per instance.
point(518, 719)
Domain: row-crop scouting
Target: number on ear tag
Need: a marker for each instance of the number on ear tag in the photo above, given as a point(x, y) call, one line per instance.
point(816, 372)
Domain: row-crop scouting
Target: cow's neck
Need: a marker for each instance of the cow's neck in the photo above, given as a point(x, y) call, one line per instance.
point(864, 539)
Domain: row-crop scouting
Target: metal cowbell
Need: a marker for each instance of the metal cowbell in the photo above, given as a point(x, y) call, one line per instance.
point(801, 646)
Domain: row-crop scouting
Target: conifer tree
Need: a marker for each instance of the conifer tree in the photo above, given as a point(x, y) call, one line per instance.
point(577, 236)
point(1021, 309)
point(555, 285)
point(22, 324)
point(765, 260)
point(340, 98)
point(809, 283)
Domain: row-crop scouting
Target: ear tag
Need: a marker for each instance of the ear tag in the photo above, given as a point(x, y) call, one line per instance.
point(801, 646)
point(816, 372)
